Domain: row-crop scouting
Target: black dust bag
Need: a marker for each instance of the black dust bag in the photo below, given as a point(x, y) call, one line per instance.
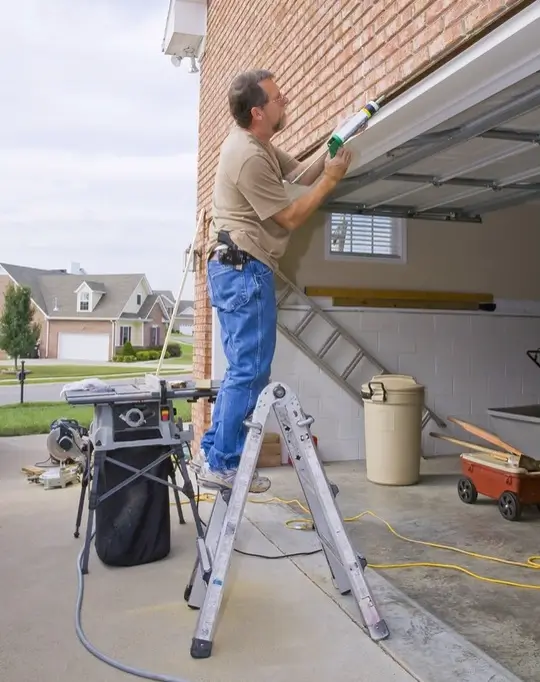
point(133, 525)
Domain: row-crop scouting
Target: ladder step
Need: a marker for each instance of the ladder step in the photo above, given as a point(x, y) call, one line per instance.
point(284, 294)
point(304, 323)
point(352, 365)
point(330, 341)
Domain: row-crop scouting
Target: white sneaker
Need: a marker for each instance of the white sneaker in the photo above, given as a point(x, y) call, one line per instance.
point(225, 479)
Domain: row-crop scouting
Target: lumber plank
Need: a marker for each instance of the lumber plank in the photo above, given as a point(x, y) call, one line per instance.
point(399, 294)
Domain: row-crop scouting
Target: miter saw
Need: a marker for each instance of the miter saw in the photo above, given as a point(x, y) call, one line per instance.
point(67, 444)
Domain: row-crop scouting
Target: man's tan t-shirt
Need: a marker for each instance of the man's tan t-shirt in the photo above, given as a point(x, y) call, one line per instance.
point(249, 190)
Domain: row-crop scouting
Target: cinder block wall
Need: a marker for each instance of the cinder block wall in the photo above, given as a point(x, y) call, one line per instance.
point(339, 55)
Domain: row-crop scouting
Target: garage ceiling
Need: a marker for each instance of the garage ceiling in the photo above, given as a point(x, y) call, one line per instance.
point(485, 159)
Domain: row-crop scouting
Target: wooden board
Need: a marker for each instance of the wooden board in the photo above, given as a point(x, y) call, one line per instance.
point(497, 454)
point(400, 294)
point(32, 470)
point(422, 304)
point(485, 434)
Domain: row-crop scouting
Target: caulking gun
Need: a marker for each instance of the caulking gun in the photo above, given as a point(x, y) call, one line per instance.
point(352, 126)
point(346, 131)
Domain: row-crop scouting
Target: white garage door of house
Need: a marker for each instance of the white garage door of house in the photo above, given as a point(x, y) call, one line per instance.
point(83, 347)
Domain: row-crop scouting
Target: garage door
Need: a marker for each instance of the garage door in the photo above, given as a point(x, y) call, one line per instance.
point(83, 346)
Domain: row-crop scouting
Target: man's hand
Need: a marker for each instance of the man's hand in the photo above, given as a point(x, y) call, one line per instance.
point(337, 167)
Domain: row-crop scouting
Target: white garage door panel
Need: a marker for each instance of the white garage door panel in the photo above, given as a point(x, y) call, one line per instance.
point(83, 346)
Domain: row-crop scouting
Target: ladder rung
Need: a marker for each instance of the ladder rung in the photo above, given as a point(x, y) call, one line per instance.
point(283, 295)
point(334, 336)
point(351, 366)
point(304, 322)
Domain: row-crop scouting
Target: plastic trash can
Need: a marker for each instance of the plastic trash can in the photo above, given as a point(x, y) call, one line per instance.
point(393, 406)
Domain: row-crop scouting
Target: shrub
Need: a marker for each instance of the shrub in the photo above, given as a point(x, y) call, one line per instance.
point(125, 358)
point(127, 349)
point(174, 350)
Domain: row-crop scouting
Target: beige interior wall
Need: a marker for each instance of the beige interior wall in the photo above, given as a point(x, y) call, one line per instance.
point(500, 256)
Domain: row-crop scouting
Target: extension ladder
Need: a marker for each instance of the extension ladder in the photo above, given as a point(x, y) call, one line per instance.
point(207, 583)
point(351, 352)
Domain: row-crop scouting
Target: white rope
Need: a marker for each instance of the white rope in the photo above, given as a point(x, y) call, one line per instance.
point(178, 298)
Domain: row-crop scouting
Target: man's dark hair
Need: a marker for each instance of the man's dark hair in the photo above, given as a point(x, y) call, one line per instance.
point(246, 93)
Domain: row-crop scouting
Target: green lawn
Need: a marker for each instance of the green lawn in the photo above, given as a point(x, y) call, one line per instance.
point(44, 373)
point(36, 418)
point(37, 371)
point(136, 371)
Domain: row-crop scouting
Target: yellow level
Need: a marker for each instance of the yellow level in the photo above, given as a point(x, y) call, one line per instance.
point(403, 303)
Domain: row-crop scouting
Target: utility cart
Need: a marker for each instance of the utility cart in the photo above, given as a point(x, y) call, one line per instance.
point(510, 484)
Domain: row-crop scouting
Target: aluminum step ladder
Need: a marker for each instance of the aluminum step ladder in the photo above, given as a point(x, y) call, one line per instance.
point(352, 355)
point(214, 551)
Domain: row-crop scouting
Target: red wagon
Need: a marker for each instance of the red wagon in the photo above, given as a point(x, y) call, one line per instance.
point(512, 486)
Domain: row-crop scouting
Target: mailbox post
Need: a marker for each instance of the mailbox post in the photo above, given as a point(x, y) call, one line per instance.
point(21, 377)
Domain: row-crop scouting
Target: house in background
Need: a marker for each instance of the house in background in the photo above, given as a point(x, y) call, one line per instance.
point(87, 317)
point(183, 323)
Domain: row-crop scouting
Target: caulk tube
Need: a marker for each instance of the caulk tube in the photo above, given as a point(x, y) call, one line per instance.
point(351, 126)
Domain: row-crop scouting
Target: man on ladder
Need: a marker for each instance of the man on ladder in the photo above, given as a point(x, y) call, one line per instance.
point(252, 220)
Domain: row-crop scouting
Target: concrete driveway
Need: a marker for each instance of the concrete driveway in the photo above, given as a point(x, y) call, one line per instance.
point(277, 624)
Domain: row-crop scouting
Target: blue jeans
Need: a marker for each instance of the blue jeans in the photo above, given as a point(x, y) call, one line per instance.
point(246, 307)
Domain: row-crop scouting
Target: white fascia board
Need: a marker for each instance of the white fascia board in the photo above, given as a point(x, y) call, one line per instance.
point(507, 55)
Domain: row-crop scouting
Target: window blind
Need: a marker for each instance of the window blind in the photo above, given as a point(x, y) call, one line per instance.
point(365, 235)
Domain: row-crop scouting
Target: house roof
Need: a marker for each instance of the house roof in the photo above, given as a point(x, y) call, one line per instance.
point(146, 308)
point(184, 305)
point(98, 287)
point(167, 294)
point(30, 277)
point(53, 291)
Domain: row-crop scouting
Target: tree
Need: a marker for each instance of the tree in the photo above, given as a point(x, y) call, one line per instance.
point(18, 331)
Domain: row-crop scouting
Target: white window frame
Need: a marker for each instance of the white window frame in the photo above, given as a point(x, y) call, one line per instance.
point(155, 330)
point(398, 224)
point(84, 299)
point(122, 327)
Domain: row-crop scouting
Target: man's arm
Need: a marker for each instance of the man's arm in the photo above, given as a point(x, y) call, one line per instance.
point(261, 186)
point(297, 213)
point(311, 175)
point(292, 168)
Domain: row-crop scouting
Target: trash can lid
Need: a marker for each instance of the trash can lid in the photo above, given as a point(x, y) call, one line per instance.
point(394, 382)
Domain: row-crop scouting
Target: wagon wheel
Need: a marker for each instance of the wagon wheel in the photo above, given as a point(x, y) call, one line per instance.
point(510, 506)
point(467, 491)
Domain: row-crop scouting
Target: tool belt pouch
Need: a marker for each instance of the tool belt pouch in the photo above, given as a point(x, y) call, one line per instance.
point(232, 255)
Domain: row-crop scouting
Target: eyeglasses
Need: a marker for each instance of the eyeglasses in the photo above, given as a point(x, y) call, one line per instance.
point(281, 99)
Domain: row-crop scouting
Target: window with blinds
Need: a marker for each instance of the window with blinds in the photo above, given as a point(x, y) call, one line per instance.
point(365, 235)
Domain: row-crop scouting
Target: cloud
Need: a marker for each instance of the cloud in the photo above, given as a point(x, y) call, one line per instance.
point(98, 139)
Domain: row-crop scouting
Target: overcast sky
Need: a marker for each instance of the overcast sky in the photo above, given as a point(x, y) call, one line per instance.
point(98, 139)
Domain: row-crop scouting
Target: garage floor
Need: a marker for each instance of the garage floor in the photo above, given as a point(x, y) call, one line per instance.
point(498, 619)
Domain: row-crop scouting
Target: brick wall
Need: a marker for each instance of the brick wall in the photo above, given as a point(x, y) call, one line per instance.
point(342, 54)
